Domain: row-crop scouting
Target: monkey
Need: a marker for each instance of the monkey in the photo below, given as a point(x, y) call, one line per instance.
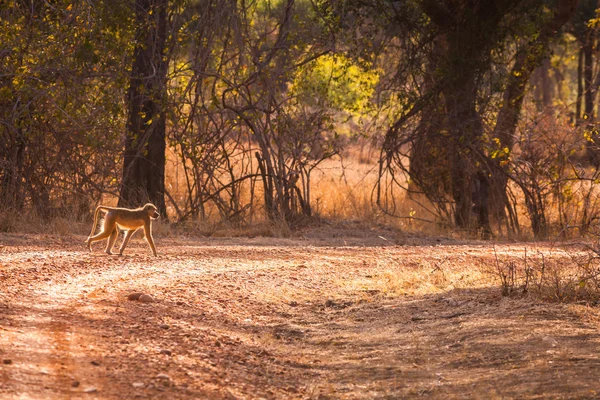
point(127, 219)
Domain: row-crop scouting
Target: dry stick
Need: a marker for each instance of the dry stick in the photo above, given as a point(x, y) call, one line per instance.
point(501, 274)
point(526, 274)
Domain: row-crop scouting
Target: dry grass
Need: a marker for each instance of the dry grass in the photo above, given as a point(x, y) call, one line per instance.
point(29, 222)
point(344, 190)
point(341, 190)
point(395, 278)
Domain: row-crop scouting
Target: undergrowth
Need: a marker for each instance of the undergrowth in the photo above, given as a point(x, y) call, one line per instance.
point(572, 276)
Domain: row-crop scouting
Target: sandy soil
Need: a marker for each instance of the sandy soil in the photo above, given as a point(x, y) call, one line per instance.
point(318, 316)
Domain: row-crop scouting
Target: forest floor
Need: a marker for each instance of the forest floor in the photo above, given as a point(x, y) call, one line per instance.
point(361, 314)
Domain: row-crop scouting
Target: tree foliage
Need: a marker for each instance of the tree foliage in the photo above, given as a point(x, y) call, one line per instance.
point(60, 102)
point(246, 99)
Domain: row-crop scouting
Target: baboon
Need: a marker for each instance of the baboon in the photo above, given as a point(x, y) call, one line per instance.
point(126, 219)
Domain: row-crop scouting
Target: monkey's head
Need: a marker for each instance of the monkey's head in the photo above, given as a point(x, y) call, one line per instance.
point(152, 211)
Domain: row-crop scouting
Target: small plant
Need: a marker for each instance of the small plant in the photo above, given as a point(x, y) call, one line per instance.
point(574, 277)
point(509, 275)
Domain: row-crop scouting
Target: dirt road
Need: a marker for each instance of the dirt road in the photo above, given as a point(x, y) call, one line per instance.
point(347, 318)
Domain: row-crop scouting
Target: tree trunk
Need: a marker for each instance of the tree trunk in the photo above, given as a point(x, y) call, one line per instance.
point(11, 185)
point(588, 78)
point(429, 157)
point(543, 87)
point(579, 88)
point(468, 182)
point(144, 160)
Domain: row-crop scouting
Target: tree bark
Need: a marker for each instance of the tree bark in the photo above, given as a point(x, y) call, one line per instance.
point(144, 159)
point(466, 130)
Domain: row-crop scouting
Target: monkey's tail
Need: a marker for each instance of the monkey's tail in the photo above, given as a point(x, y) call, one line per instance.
point(96, 213)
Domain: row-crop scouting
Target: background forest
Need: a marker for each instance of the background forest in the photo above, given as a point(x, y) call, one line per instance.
point(473, 115)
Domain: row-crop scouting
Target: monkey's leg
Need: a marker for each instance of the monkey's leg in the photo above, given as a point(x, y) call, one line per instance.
point(111, 240)
point(148, 235)
point(100, 236)
point(128, 235)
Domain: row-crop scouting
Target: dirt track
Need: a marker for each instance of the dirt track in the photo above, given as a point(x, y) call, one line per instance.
point(356, 318)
